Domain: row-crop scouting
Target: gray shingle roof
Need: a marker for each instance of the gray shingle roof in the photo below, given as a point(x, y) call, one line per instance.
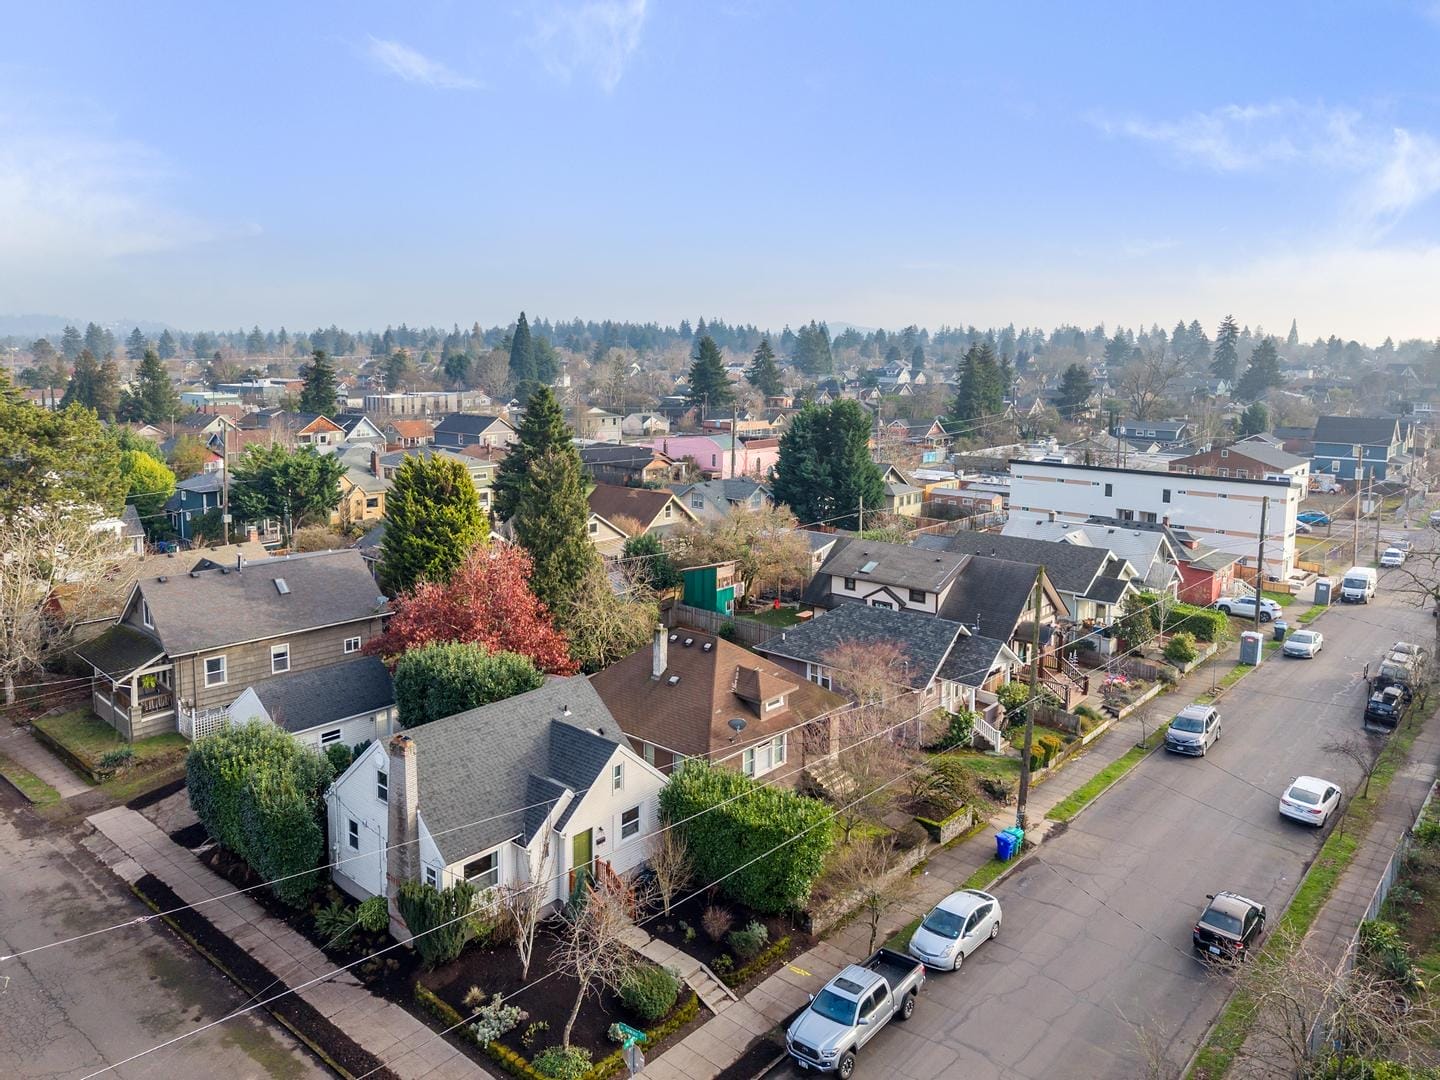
point(990, 596)
point(482, 764)
point(210, 608)
point(1365, 430)
point(301, 700)
point(120, 650)
point(971, 659)
point(926, 640)
point(1071, 567)
point(901, 565)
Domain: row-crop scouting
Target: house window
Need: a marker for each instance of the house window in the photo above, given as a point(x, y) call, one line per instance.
point(917, 596)
point(768, 756)
point(649, 751)
point(697, 502)
point(329, 738)
point(617, 776)
point(484, 872)
point(352, 644)
point(1125, 515)
point(372, 502)
point(215, 671)
point(712, 461)
point(883, 604)
point(279, 658)
point(432, 877)
point(818, 675)
point(145, 614)
point(354, 835)
point(668, 510)
point(629, 823)
point(1109, 490)
point(1148, 516)
point(1165, 495)
point(594, 527)
point(849, 584)
point(382, 786)
point(774, 703)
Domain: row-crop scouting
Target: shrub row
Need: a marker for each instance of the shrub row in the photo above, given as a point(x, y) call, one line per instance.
point(1206, 624)
point(763, 959)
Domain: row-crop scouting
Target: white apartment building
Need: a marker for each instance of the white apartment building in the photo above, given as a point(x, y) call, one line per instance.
point(1222, 512)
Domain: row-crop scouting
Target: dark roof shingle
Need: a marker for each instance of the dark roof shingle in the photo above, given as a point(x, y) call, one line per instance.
point(301, 700)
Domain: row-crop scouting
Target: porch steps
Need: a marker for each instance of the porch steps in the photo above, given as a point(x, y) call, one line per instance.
point(713, 994)
point(827, 778)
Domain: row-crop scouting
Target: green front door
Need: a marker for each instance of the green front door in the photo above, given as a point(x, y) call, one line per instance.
point(582, 852)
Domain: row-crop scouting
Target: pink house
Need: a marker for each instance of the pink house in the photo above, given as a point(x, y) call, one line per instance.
point(713, 454)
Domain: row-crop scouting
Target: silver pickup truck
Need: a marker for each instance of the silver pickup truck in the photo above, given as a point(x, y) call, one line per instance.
point(851, 1009)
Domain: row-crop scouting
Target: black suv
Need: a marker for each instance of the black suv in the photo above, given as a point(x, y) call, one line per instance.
point(1385, 708)
point(1229, 927)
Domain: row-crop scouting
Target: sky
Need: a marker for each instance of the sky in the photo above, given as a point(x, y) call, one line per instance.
point(366, 164)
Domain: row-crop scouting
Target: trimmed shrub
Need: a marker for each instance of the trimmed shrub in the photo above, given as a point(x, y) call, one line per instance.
point(436, 681)
point(495, 1019)
point(649, 991)
point(766, 845)
point(340, 756)
point(1013, 695)
point(1043, 748)
point(716, 921)
point(437, 919)
point(959, 729)
point(1206, 624)
point(117, 758)
point(258, 792)
point(562, 1062)
point(749, 940)
point(1180, 649)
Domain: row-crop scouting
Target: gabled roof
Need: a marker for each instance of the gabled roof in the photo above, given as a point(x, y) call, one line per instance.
point(411, 429)
point(475, 770)
point(120, 650)
point(739, 490)
point(468, 424)
point(716, 682)
point(992, 595)
point(1072, 568)
point(1365, 430)
point(208, 609)
point(644, 505)
point(902, 565)
point(301, 700)
point(626, 455)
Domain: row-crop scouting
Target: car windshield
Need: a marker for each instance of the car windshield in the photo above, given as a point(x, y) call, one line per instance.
point(1303, 795)
point(1187, 723)
point(944, 923)
point(834, 1007)
point(1304, 637)
point(1222, 921)
point(1355, 583)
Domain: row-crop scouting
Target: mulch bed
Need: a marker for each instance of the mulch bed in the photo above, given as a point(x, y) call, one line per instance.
point(150, 798)
point(254, 977)
point(191, 836)
point(691, 912)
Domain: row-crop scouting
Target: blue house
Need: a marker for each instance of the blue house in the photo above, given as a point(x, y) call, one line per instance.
point(1370, 447)
point(203, 492)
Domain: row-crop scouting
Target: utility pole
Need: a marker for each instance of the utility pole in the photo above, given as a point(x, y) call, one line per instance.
point(225, 479)
point(734, 417)
point(1355, 544)
point(1376, 509)
point(1030, 705)
point(1260, 560)
point(860, 525)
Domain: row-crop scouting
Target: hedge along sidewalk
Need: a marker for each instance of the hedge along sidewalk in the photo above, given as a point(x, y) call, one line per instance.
point(1335, 891)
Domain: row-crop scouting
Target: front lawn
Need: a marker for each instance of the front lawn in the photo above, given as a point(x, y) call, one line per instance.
point(34, 789)
point(982, 764)
point(87, 739)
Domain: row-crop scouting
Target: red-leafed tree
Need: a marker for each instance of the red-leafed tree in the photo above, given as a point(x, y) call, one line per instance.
point(487, 602)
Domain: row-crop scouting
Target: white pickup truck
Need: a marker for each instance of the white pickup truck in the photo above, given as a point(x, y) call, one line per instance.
point(851, 1009)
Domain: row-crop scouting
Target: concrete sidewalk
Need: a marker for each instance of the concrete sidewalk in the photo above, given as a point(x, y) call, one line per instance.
point(22, 748)
point(406, 1046)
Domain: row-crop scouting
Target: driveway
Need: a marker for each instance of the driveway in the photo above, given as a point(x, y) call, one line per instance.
point(1096, 938)
point(67, 1011)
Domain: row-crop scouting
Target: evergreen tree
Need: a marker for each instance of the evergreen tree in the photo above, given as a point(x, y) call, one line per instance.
point(522, 356)
point(1119, 351)
point(1255, 420)
point(397, 370)
point(1075, 391)
point(710, 389)
point(550, 523)
point(812, 350)
point(254, 342)
point(1293, 338)
point(763, 374)
point(541, 431)
point(547, 360)
point(1263, 372)
point(155, 400)
point(167, 347)
point(457, 368)
point(135, 344)
point(94, 385)
point(318, 396)
point(1198, 345)
point(71, 343)
point(96, 343)
point(432, 520)
point(286, 486)
point(1227, 355)
point(825, 471)
point(981, 395)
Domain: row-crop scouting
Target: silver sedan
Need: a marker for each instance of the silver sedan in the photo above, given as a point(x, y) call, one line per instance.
point(1304, 643)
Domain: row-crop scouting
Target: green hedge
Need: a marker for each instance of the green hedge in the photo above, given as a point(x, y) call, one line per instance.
point(768, 844)
point(1206, 624)
point(437, 919)
point(258, 792)
point(436, 681)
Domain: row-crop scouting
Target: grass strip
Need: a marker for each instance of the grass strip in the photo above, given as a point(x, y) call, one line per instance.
point(1233, 1026)
point(35, 790)
point(1087, 792)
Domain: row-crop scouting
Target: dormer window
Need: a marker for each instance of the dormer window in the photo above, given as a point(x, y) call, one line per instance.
point(774, 704)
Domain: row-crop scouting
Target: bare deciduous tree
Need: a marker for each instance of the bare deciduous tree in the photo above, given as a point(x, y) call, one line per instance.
point(53, 570)
point(861, 874)
point(768, 550)
point(524, 902)
point(1145, 382)
point(1418, 581)
point(593, 947)
point(1363, 750)
point(670, 865)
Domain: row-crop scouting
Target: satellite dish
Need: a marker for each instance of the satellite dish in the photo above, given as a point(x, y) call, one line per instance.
point(737, 725)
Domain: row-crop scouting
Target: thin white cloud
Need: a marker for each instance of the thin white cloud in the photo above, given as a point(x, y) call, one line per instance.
point(596, 37)
point(1406, 175)
point(414, 66)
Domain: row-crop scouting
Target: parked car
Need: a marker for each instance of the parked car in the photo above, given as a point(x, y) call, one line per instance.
point(1301, 529)
point(1435, 517)
point(1358, 585)
point(1392, 556)
point(1304, 643)
point(1194, 730)
point(1310, 799)
point(1229, 927)
point(955, 928)
point(851, 1009)
point(1244, 607)
point(1385, 709)
point(1404, 545)
point(1409, 648)
point(1317, 517)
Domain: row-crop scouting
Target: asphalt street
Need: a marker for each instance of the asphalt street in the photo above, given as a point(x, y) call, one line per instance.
point(1096, 940)
point(68, 1011)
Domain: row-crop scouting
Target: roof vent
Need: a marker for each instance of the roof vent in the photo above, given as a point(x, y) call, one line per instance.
point(282, 586)
point(565, 710)
point(673, 680)
point(689, 641)
point(707, 646)
point(162, 579)
point(224, 569)
point(194, 573)
point(674, 637)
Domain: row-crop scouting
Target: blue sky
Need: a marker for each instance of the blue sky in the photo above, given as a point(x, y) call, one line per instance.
point(372, 163)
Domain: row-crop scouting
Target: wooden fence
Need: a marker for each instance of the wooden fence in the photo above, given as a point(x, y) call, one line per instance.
point(746, 632)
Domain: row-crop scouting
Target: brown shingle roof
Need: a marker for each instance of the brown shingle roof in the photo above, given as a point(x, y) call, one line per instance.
point(693, 715)
point(613, 501)
point(412, 429)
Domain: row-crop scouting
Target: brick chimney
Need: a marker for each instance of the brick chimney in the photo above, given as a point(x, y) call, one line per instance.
point(375, 463)
point(402, 861)
point(659, 653)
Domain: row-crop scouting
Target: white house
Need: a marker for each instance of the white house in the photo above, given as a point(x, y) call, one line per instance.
point(1222, 512)
point(542, 787)
point(345, 704)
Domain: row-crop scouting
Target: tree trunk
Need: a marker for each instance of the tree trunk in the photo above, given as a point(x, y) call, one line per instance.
point(9, 689)
point(574, 1014)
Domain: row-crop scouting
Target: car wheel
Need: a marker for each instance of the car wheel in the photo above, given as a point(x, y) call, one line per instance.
point(907, 1007)
point(1224, 609)
point(995, 930)
point(846, 1068)
point(959, 959)
point(1264, 616)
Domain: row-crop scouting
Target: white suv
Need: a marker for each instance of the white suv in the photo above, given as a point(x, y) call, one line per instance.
point(1244, 607)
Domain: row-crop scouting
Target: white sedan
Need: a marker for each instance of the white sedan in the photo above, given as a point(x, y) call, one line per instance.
point(955, 928)
point(1310, 800)
point(1392, 556)
point(1304, 643)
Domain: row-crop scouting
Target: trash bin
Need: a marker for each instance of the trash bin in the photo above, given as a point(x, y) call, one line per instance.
point(1251, 647)
point(1019, 835)
point(1004, 845)
point(1280, 626)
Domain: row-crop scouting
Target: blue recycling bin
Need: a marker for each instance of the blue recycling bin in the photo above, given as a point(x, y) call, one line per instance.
point(1004, 845)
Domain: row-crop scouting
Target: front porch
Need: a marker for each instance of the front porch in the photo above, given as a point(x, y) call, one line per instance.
point(131, 686)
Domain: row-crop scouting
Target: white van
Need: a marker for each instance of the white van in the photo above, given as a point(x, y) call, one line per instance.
point(1358, 585)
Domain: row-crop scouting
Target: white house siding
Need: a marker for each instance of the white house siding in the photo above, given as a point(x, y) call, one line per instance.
point(869, 589)
point(1222, 513)
point(354, 730)
point(353, 797)
point(600, 808)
